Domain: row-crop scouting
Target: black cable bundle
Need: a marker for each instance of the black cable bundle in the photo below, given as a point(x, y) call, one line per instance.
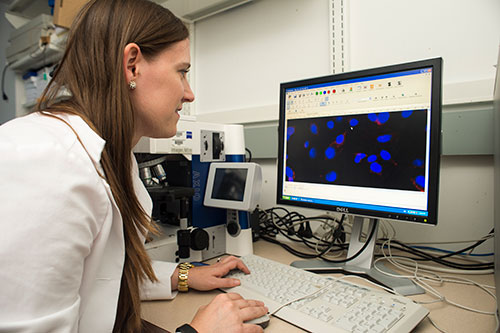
point(271, 224)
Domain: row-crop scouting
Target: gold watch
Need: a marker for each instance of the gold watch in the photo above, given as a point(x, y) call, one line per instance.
point(182, 284)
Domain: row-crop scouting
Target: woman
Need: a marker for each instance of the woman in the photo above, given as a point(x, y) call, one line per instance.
point(74, 213)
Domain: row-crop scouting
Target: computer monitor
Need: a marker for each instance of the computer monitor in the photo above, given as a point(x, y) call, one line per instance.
point(233, 186)
point(365, 143)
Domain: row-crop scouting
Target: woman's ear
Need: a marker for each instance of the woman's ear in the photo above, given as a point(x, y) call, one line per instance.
point(131, 58)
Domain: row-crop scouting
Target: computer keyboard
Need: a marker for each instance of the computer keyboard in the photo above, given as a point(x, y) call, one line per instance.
point(324, 304)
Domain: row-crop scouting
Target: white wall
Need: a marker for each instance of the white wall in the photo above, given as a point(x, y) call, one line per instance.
point(242, 55)
point(465, 33)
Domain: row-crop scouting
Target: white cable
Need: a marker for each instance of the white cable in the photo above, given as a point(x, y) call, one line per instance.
point(392, 291)
point(453, 270)
point(304, 297)
point(435, 325)
point(453, 242)
point(428, 268)
point(394, 261)
point(334, 279)
point(419, 280)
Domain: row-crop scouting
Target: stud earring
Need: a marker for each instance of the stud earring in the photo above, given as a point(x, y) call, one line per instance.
point(132, 85)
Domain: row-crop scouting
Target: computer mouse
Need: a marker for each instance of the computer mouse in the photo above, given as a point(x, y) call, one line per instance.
point(261, 321)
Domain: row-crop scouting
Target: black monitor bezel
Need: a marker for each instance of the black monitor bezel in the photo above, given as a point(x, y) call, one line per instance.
point(435, 141)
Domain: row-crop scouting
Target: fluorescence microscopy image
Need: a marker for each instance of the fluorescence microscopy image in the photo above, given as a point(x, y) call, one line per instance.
point(378, 150)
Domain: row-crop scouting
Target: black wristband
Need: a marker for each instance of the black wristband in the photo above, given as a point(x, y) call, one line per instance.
point(186, 328)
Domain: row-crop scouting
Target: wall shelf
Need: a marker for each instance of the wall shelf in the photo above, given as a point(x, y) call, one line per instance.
point(44, 55)
point(20, 5)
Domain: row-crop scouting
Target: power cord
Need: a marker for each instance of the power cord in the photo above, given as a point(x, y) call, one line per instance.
point(4, 95)
point(249, 155)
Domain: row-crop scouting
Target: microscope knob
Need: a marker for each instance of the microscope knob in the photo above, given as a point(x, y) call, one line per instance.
point(233, 228)
point(199, 239)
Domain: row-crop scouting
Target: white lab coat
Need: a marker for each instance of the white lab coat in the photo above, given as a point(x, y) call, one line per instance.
point(61, 233)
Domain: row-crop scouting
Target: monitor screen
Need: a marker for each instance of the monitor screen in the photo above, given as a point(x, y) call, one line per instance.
point(229, 184)
point(365, 143)
point(233, 185)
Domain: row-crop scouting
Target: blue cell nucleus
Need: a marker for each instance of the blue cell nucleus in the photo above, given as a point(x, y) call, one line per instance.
point(331, 176)
point(330, 124)
point(420, 180)
point(289, 132)
point(306, 144)
point(340, 139)
point(339, 119)
point(353, 122)
point(383, 117)
point(359, 157)
point(289, 173)
point(384, 138)
point(375, 167)
point(406, 114)
point(372, 117)
point(385, 155)
point(312, 153)
point(372, 158)
point(330, 153)
point(314, 128)
point(418, 162)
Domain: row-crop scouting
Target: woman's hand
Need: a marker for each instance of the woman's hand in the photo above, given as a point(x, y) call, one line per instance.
point(212, 277)
point(227, 313)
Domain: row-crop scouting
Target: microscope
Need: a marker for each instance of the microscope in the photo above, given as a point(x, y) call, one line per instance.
point(202, 191)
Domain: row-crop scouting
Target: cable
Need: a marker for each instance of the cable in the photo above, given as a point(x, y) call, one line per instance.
point(4, 95)
point(467, 248)
point(285, 226)
point(320, 255)
point(249, 154)
point(448, 263)
point(334, 279)
point(271, 224)
point(357, 254)
point(448, 251)
point(435, 325)
point(419, 276)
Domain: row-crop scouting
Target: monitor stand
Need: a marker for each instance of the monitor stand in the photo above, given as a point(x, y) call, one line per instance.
point(363, 264)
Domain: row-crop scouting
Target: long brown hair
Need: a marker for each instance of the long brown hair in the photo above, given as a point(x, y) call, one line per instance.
point(92, 71)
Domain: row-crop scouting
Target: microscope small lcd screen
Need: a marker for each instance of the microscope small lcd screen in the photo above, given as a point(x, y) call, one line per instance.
point(229, 184)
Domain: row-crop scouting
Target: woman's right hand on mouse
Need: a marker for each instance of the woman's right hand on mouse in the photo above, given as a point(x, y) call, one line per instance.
point(227, 313)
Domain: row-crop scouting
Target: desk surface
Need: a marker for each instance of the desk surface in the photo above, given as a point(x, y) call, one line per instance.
point(173, 313)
